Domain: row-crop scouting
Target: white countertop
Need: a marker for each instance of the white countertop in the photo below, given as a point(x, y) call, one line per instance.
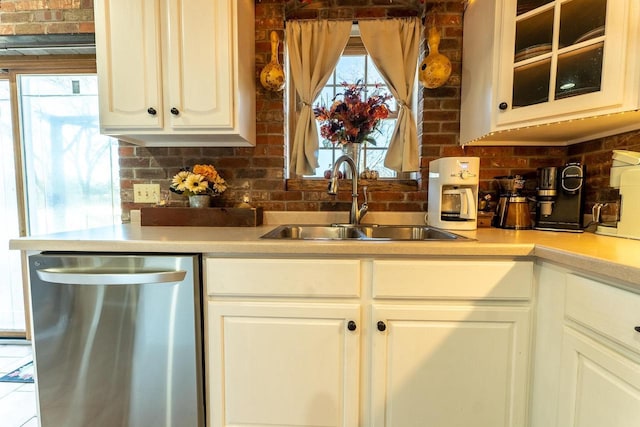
point(613, 257)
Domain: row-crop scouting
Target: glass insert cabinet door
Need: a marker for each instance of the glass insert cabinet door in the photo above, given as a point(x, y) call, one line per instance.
point(557, 52)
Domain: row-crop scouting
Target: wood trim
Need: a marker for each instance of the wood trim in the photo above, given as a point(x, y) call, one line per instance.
point(63, 63)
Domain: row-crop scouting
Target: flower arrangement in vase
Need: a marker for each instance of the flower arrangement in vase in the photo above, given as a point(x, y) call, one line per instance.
point(350, 118)
point(201, 180)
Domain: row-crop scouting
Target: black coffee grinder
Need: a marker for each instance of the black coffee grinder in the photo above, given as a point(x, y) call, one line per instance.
point(560, 198)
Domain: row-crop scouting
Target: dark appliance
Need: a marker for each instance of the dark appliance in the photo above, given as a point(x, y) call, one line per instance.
point(560, 198)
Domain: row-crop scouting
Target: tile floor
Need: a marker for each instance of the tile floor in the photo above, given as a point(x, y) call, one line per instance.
point(17, 401)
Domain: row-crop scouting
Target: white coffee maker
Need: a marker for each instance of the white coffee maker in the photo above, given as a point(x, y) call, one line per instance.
point(625, 175)
point(453, 193)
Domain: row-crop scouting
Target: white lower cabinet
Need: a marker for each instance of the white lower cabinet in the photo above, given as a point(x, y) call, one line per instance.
point(450, 343)
point(282, 342)
point(599, 387)
point(370, 343)
point(592, 355)
point(600, 379)
point(283, 364)
point(450, 366)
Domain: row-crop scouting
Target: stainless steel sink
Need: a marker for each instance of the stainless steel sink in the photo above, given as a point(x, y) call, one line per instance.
point(410, 232)
point(314, 232)
point(362, 232)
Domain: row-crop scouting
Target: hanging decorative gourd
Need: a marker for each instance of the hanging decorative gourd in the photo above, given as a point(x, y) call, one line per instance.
point(272, 75)
point(435, 69)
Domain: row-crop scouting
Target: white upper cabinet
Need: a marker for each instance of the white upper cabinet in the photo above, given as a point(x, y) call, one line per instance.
point(549, 72)
point(176, 71)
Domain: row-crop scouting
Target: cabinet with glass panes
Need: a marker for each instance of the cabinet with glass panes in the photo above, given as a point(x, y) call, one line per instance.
point(549, 72)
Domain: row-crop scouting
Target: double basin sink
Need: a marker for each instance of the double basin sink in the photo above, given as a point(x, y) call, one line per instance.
point(363, 232)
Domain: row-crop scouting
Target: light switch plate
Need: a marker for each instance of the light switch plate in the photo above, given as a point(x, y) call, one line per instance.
point(146, 193)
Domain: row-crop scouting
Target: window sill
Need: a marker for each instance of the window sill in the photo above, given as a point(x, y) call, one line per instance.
point(320, 184)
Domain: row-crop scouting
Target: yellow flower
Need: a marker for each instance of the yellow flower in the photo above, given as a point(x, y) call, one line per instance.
point(179, 180)
point(196, 183)
point(219, 187)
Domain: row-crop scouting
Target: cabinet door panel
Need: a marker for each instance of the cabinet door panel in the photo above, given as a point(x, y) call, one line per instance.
point(585, 72)
point(200, 40)
point(450, 366)
point(598, 387)
point(129, 79)
point(283, 364)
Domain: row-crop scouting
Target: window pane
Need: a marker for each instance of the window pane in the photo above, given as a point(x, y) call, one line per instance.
point(11, 299)
point(350, 69)
point(383, 90)
point(326, 96)
point(327, 156)
point(353, 69)
point(531, 83)
point(376, 154)
point(373, 76)
point(580, 71)
point(71, 170)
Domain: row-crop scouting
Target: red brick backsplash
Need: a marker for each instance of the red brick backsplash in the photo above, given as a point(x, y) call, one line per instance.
point(28, 17)
point(596, 155)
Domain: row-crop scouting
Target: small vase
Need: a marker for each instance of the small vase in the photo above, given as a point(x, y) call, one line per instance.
point(353, 150)
point(200, 201)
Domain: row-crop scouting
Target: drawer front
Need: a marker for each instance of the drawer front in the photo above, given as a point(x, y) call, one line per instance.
point(282, 277)
point(476, 280)
point(606, 309)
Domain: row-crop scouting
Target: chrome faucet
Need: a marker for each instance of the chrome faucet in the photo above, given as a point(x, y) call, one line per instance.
point(356, 214)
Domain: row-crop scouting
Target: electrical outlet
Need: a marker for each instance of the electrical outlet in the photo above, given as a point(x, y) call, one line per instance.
point(146, 193)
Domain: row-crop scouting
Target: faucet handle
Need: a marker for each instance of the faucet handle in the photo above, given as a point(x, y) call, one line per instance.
point(364, 193)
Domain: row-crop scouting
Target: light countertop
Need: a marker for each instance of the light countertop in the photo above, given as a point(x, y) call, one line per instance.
point(617, 258)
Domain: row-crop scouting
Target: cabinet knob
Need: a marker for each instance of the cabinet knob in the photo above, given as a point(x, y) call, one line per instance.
point(175, 111)
point(637, 328)
point(152, 111)
point(503, 106)
point(382, 326)
point(351, 325)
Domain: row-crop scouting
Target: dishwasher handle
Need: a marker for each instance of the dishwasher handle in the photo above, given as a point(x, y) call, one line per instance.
point(84, 277)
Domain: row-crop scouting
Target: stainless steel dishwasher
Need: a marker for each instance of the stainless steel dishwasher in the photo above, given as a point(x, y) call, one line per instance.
point(117, 340)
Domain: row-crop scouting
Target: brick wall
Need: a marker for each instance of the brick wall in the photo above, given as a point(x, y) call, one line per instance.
point(27, 17)
point(596, 155)
point(260, 171)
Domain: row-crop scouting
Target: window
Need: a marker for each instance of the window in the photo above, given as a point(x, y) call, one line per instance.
point(71, 170)
point(354, 66)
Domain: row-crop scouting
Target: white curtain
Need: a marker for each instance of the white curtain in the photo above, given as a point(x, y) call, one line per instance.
point(393, 45)
point(314, 49)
